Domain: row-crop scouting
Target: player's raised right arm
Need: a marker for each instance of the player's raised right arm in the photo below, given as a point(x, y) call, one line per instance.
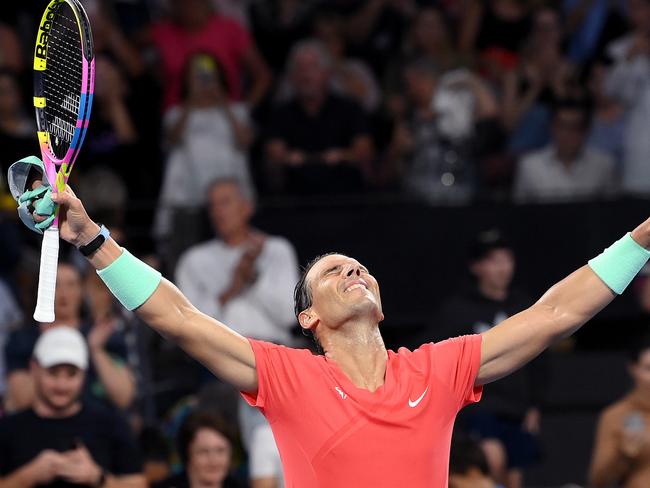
point(226, 353)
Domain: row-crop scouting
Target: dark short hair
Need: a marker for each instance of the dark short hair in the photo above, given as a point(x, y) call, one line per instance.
point(196, 421)
point(302, 297)
point(485, 242)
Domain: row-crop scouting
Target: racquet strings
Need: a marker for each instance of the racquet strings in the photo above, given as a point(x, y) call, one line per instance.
point(62, 80)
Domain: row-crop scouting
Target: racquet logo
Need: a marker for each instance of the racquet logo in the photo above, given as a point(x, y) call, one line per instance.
point(44, 31)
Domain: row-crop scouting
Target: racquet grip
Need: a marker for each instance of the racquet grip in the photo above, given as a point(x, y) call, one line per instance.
point(47, 276)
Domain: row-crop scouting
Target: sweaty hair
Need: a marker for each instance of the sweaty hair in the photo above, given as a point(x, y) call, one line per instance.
point(302, 298)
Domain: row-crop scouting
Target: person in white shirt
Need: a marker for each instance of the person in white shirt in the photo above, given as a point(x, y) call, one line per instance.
point(566, 170)
point(628, 82)
point(206, 137)
point(244, 278)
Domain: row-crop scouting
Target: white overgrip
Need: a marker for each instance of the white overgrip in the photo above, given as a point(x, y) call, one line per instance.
point(47, 276)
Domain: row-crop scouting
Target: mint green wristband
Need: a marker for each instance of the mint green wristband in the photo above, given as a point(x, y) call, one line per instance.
point(619, 263)
point(130, 280)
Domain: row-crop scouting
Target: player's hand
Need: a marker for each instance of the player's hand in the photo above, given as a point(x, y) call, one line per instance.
point(46, 466)
point(79, 467)
point(75, 226)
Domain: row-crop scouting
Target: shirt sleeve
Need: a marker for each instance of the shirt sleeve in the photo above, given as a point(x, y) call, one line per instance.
point(456, 364)
point(125, 456)
point(279, 369)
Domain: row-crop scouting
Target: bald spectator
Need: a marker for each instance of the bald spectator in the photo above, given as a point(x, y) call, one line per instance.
point(245, 278)
point(318, 142)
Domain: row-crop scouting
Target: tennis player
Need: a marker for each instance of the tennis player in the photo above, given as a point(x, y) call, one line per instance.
point(358, 415)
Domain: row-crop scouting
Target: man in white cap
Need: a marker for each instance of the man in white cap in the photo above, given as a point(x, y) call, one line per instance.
point(61, 441)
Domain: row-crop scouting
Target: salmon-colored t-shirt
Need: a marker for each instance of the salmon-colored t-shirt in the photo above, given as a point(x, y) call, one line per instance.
point(332, 434)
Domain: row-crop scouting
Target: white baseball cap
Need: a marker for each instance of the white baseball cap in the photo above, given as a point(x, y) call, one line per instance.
point(61, 345)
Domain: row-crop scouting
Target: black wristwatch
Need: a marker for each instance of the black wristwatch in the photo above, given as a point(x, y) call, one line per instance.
point(96, 243)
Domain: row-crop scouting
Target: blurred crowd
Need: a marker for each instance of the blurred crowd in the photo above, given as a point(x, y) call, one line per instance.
point(219, 104)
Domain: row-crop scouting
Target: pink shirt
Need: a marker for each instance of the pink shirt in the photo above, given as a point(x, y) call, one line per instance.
point(332, 434)
point(224, 38)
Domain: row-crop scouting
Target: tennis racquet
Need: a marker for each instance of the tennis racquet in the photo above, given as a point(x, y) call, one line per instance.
point(64, 77)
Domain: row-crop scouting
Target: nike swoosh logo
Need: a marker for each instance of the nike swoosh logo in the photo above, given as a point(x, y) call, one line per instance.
point(413, 404)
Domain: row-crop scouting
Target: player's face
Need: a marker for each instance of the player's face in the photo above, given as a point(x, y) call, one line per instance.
point(58, 386)
point(69, 291)
point(208, 458)
point(640, 371)
point(495, 270)
point(229, 211)
point(343, 289)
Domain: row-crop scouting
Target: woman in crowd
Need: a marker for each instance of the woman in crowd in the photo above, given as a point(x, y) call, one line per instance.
point(205, 449)
point(207, 137)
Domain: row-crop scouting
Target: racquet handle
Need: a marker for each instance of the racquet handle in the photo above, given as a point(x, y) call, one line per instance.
point(47, 276)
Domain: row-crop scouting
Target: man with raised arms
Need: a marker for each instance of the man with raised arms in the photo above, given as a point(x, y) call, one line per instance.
point(358, 415)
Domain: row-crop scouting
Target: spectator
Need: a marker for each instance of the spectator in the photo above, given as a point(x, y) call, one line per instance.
point(508, 417)
point(629, 82)
point(207, 137)
point(278, 24)
point(375, 29)
point(468, 467)
point(16, 128)
point(194, 27)
point(10, 317)
point(567, 169)
point(113, 134)
point(205, 448)
point(434, 145)
point(318, 142)
point(542, 76)
point(609, 118)
point(62, 441)
point(245, 278)
point(429, 38)
point(11, 55)
point(350, 76)
point(108, 379)
point(620, 456)
point(492, 25)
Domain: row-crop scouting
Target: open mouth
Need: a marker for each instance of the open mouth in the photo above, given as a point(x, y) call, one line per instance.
point(355, 286)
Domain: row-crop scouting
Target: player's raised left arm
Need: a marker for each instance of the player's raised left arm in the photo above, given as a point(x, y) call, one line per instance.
point(561, 311)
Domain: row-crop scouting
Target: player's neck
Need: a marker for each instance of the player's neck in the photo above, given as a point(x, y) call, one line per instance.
point(359, 351)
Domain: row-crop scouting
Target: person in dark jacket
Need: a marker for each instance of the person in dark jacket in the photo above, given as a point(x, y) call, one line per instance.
point(508, 418)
